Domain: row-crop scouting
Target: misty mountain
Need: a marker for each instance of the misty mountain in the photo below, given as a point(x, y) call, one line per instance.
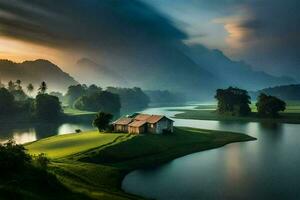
point(170, 69)
point(35, 72)
point(285, 92)
point(90, 73)
point(136, 46)
point(235, 73)
point(128, 41)
point(131, 44)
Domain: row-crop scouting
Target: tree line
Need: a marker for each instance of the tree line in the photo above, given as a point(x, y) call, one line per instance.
point(235, 101)
point(15, 101)
point(94, 98)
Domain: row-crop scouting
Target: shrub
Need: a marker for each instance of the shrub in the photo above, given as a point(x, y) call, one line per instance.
point(78, 131)
point(47, 106)
point(102, 121)
point(268, 105)
point(13, 158)
point(41, 161)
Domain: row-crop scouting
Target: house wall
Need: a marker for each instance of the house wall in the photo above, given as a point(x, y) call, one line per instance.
point(136, 130)
point(121, 128)
point(152, 128)
point(164, 124)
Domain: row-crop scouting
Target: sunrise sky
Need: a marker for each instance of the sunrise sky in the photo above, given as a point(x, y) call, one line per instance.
point(263, 33)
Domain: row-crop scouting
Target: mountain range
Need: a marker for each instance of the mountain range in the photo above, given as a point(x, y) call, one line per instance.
point(235, 73)
point(130, 44)
point(35, 72)
point(285, 92)
point(205, 71)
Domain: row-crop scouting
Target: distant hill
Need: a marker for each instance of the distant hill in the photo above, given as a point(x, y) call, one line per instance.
point(285, 92)
point(35, 72)
point(91, 72)
point(235, 73)
point(134, 45)
point(170, 70)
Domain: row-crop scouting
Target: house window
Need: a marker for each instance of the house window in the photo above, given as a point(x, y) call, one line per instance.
point(152, 125)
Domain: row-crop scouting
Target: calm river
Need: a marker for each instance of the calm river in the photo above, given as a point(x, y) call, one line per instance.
point(268, 168)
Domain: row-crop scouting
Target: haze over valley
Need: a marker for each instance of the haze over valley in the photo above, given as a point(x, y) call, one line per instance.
point(149, 99)
point(117, 44)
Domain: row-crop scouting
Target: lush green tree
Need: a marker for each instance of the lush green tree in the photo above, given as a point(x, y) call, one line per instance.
point(99, 101)
point(268, 105)
point(19, 84)
point(6, 101)
point(47, 107)
point(13, 158)
point(43, 88)
point(11, 86)
point(131, 98)
point(30, 88)
point(234, 101)
point(25, 106)
point(57, 94)
point(19, 95)
point(102, 121)
point(41, 161)
point(74, 92)
point(93, 89)
point(1, 84)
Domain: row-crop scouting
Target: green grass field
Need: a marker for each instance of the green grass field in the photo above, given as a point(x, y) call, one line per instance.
point(64, 145)
point(208, 112)
point(95, 163)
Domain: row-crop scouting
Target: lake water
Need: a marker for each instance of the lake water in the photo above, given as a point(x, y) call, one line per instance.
point(26, 132)
point(23, 133)
point(268, 168)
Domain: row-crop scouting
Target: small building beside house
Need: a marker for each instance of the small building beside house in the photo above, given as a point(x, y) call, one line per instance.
point(144, 123)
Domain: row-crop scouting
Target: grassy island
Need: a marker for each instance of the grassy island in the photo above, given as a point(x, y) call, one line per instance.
point(94, 164)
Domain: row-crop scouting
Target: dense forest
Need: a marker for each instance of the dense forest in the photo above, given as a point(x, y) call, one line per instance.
point(22, 100)
point(94, 98)
point(15, 102)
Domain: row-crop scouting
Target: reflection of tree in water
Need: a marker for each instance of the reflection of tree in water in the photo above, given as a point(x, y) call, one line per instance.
point(271, 130)
point(237, 126)
point(271, 126)
point(229, 122)
point(9, 130)
point(46, 129)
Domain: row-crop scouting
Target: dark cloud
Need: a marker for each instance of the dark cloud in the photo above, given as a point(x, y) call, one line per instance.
point(84, 23)
point(128, 36)
point(265, 32)
point(273, 42)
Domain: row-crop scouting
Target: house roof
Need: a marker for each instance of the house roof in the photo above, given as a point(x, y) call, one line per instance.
point(150, 118)
point(142, 117)
point(137, 123)
point(140, 120)
point(123, 121)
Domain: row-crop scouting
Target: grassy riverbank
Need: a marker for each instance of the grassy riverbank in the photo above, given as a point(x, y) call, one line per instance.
point(95, 163)
point(208, 112)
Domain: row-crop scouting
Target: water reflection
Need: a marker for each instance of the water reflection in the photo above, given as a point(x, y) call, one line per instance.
point(23, 133)
point(264, 169)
